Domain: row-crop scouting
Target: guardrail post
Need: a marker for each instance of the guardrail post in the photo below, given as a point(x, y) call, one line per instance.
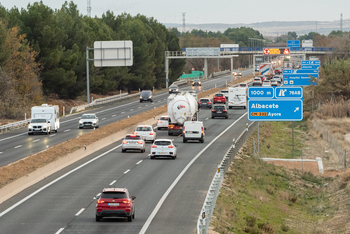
point(234, 143)
point(139, 90)
point(64, 112)
point(25, 116)
point(246, 127)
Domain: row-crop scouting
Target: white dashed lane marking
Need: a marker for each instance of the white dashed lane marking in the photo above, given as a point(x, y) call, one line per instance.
point(103, 118)
point(59, 231)
point(113, 115)
point(18, 146)
point(99, 194)
point(126, 171)
point(139, 162)
point(67, 130)
point(52, 135)
point(80, 211)
point(36, 140)
point(123, 112)
point(131, 109)
point(139, 107)
point(113, 182)
point(1, 152)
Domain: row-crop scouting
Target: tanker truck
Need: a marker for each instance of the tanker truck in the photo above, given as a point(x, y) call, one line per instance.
point(181, 107)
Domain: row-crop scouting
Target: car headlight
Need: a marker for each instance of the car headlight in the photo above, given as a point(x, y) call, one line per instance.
point(150, 97)
point(140, 97)
point(80, 121)
point(30, 127)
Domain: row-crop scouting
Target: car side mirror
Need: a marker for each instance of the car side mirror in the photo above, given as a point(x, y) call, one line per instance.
point(97, 196)
point(48, 121)
point(205, 128)
point(133, 197)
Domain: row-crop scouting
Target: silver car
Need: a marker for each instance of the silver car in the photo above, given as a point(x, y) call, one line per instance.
point(89, 120)
point(163, 148)
point(147, 132)
point(133, 142)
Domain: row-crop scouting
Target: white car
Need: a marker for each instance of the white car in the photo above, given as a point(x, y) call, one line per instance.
point(163, 122)
point(163, 148)
point(147, 132)
point(225, 93)
point(89, 120)
point(266, 83)
point(133, 142)
point(39, 126)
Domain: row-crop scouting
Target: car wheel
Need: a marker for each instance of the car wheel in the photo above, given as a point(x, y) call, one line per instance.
point(212, 117)
point(244, 107)
point(159, 128)
point(130, 218)
point(170, 134)
point(98, 218)
point(47, 133)
point(133, 215)
point(173, 157)
point(151, 100)
point(152, 157)
point(79, 128)
point(184, 140)
point(202, 140)
point(29, 133)
point(123, 150)
point(226, 117)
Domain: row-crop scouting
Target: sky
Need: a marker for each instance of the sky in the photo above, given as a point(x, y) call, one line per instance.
point(209, 11)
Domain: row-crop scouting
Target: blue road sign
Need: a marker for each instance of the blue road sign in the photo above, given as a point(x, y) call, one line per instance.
point(310, 62)
point(310, 67)
point(298, 77)
point(261, 92)
point(300, 71)
point(286, 104)
point(293, 43)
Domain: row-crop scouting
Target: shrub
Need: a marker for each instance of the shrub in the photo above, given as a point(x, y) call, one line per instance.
point(285, 228)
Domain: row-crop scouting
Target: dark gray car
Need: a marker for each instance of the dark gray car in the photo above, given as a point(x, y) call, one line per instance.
point(146, 95)
point(219, 111)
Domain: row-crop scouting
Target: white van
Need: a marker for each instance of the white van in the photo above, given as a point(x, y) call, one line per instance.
point(237, 96)
point(48, 112)
point(193, 130)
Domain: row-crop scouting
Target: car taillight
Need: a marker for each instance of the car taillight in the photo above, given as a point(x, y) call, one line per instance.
point(135, 133)
point(125, 142)
point(140, 142)
point(152, 133)
point(213, 110)
point(202, 130)
point(183, 131)
point(199, 102)
point(126, 202)
point(171, 126)
point(208, 102)
point(225, 110)
point(170, 146)
point(100, 201)
point(160, 121)
point(154, 146)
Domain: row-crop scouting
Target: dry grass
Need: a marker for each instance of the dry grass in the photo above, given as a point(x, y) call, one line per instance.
point(31, 163)
point(339, 109)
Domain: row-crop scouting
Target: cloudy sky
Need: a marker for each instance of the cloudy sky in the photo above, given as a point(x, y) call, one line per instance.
point(209, 11)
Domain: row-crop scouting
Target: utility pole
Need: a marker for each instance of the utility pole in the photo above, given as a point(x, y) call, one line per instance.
point(183, 22)
point(89, 8)
point(341, 22)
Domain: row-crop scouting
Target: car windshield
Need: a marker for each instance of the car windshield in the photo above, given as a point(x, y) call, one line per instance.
point(114, 195)
point(173, 87)
point(266, 82)
point(133, 137)
point(218, 95)
point(146, 93)
point(38, 121)
point(257, 79)
point(204, 100)
point(243, 85)
point(219, 107)
point(162, 142)
point(143, 129)
point(88, 116)
point(224, 91)
point(164, 118)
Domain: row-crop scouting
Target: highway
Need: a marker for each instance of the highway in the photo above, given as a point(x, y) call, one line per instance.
point(16, 144)
point(169, 193)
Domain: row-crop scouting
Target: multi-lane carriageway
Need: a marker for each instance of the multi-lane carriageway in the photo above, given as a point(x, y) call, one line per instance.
point(169, 193)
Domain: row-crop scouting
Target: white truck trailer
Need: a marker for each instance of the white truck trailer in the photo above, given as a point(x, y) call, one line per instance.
point(237, 97)
point(181, 107)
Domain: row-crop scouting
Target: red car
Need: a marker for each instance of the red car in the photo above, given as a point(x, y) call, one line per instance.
point(219, 97)
point(115, 202)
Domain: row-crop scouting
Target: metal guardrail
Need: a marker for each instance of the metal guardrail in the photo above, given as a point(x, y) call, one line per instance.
point(18, 125)
point(207, 210)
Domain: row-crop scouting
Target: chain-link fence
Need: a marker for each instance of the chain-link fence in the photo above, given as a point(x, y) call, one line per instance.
point(327, 135)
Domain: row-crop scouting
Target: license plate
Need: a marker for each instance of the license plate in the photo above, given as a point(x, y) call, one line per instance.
point(113, 204)
point(188, 131)
point(161, 152)
point(219, 112)
point(87, 124)
point(219, 100)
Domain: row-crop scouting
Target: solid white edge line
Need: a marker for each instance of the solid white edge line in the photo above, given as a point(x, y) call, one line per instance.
point(161, 201)
point(123, 112)
point(103, 118)
point(126, 171)
point(131, 109)
point(54, 181)
point(139, 162)
point(113, 182)
point(18, 146)
point(59, 231)
point(80, 211)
